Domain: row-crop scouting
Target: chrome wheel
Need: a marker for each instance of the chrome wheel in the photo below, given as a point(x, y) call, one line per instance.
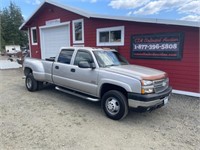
point(29, 83)
point(112, 105)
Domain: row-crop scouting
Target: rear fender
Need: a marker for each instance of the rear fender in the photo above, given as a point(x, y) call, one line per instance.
point(36, 67)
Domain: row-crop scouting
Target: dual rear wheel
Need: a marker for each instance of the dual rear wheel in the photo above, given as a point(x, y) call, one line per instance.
point(32, 84)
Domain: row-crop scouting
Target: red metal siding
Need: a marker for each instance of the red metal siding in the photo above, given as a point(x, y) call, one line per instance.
point(35, 49)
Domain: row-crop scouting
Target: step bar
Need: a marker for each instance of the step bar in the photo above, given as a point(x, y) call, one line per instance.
point(77, 94)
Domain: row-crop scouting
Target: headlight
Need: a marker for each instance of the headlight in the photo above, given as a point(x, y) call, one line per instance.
point(147, 87)
point(147, 82)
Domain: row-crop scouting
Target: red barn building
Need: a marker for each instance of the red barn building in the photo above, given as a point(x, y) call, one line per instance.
point(168, 45)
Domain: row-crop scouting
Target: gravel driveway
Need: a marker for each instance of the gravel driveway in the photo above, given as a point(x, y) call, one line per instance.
point(51, 120)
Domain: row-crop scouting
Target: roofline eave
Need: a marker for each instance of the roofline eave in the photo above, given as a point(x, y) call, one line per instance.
point(149, 20)
point(74, 10)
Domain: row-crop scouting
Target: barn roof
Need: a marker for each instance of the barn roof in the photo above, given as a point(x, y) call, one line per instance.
point(121, 18)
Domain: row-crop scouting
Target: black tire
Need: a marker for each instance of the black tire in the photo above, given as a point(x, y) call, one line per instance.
point(114, 105)
point(31, 83)
point(39, 85)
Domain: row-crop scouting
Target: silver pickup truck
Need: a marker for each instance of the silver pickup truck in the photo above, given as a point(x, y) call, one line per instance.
point(102, 75)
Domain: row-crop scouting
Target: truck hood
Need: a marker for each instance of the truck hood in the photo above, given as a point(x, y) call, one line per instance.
point(138, 72)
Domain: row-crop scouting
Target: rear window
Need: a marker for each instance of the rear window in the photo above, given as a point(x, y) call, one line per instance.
point(65, 56)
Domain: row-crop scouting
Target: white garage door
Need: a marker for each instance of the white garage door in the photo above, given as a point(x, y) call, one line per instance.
point(52, 39)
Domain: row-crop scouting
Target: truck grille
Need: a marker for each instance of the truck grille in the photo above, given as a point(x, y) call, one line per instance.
point(161, 85)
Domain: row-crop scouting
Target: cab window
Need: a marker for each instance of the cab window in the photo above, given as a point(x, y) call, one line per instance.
point(65, 56)
point(83, 56)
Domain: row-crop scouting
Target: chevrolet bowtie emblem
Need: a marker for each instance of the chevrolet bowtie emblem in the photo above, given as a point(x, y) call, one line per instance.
point(164, 84)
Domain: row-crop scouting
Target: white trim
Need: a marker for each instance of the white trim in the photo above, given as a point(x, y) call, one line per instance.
point(149, 20)
point(186, 93)
point(78, 45)
point(32, 42)
point(69, 8)
point(121, 43)
point(54, 25)
point(29, 42)
point(73, 31)
point(51, 26)
point(52, 22)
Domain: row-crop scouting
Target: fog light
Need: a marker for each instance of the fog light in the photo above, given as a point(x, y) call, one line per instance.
point(147, 91)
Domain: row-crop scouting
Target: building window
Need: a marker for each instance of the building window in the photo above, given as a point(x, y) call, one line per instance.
point(78, 31)
point(113, 36)
point(34, 36)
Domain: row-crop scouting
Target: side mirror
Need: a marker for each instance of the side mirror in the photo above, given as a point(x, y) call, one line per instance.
point(86, 64)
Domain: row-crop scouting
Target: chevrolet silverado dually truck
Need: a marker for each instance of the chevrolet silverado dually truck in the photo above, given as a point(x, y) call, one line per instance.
point(98, 74)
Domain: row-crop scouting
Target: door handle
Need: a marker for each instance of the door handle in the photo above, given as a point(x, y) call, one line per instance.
point(57, 67)
point(73, 70)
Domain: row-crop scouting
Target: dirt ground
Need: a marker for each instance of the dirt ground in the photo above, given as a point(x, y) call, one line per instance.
point(52, 120)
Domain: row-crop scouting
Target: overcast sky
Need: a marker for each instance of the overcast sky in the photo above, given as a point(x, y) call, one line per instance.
point(161, 9)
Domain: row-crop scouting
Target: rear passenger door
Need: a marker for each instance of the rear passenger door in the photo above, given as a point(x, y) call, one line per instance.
point(61, 68)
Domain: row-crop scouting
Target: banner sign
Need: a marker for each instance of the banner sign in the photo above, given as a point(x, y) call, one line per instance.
point(157, 46)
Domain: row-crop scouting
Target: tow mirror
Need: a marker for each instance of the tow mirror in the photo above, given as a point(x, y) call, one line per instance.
point(86, 64)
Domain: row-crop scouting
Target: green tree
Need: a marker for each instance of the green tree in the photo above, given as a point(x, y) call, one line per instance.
point(2, 41)
point(11, 20)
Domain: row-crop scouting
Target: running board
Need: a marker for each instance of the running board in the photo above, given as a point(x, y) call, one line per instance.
point(77, 94)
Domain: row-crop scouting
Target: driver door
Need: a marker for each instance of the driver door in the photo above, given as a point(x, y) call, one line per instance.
point(84, 79)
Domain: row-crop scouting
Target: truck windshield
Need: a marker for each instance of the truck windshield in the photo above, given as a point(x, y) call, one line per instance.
point(109, 58)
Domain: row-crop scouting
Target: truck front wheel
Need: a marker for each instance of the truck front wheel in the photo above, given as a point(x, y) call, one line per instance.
point(31, 83)
point(114, 104)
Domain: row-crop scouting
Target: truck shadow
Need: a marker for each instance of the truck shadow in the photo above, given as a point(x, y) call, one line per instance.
point(135, 115)
point(70, 98)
